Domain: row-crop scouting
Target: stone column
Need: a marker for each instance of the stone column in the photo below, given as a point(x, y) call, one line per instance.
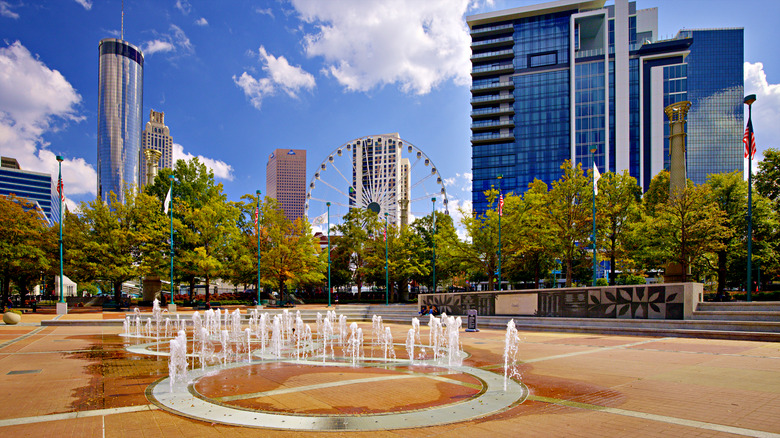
point(676, 113)
point(677, 172)
point(152, 157)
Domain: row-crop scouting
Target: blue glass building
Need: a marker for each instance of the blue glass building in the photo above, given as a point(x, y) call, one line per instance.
point(120, 102)
point(38, 188)
point(553, 81)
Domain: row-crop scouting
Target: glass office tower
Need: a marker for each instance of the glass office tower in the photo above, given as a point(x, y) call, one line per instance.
point(120, 102)
point(553, 81)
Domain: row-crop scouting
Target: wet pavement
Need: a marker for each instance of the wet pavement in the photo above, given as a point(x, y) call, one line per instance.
point(82, 381)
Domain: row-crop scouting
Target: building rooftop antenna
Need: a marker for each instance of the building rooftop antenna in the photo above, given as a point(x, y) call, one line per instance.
point(122, 32)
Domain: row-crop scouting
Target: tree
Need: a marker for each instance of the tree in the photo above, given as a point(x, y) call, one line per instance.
point(354, 231)
point(478, 254)
point(618, 207)
point(529, 238)
point(23, 239)
point(568, 209)
point(422, 227)
point(405, 259)
point(688, 227)
point(289, 251)
point(767, 179)
point(107, 242)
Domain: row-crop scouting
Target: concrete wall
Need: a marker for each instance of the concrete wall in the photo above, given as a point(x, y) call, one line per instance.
point(658, 301)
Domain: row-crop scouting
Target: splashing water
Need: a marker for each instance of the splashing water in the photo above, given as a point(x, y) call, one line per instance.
point(511, 349)
point(177, 362)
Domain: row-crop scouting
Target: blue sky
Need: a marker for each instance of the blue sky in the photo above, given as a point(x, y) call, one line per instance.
point(238, 79)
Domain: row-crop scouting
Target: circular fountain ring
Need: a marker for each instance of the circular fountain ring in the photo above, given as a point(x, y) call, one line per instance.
point(181, 398)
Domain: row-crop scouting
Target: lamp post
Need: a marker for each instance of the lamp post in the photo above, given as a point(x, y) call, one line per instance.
point(59, 186)
point(257, 229)
point(171, 220)
point(749, 148)
point(328, 205)
point(387, 274)
point(500, 213)
point(593, 237)
point(433, 238)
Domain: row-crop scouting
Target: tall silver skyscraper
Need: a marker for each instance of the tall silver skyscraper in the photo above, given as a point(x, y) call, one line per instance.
point(120, 102)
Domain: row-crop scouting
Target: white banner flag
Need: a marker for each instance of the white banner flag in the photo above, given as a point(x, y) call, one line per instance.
point(167, 201)
point(321, 219)
point(596, 178)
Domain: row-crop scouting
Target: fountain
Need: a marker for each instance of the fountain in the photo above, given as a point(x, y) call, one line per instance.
point(177, 364)
point(511, 348)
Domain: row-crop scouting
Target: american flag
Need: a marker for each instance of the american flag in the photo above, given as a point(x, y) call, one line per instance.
point(257, 215)
point(501, 205)
point(749, 151)
point(60, 190)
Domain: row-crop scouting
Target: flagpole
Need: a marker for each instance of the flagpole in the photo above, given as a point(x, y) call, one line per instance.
point(433, 239)
point(749, 148)
point(257, 229)
point(387, 275)
point(170, 207)
point(593, 237)
point(328, 205)
point(500, 213)
point(62, 216)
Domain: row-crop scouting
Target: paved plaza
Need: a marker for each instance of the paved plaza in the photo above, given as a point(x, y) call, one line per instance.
point(87, 381)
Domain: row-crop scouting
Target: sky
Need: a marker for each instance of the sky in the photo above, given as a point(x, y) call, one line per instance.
point(238, 79)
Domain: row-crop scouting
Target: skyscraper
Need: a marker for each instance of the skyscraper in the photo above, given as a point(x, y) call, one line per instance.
point(551, 82)
point(156, 136)
point(38, 188)
point(120, 102)
point(381, 175)
point(285, 180)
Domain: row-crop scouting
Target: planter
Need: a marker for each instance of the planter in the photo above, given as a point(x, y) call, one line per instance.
point(11, 318)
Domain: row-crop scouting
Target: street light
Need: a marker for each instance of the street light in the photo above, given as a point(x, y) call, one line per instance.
point(387, 275)
point(593, 237)
point(59, 186)
point(328, 205)
point(749, 149)
point(433, 237)
point(500, 213)
point(171, 220)
point(257, 229)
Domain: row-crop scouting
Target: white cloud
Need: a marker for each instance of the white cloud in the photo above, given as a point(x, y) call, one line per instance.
point(34, 100)
point(458, 209)
point(221, 169)
point(266, 11)
point(281, 76)
point(155, 46)
point(5, 11)
point(87, 4)
point(414, 44)
point(184, 6)
point(766, 109)
point(174, 41)
point(202, 21)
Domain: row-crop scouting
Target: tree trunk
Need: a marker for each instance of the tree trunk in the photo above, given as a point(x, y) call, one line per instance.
point(117, 294)
point(192, 288)
point(612, 263)
point(207, 288)
point(6, 289)
point(568, 272)
point(721, 295)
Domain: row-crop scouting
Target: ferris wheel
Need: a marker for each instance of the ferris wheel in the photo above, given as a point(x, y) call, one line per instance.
point(381, 173)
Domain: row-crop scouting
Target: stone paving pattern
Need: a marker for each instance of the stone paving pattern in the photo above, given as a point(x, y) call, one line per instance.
point(80, 382)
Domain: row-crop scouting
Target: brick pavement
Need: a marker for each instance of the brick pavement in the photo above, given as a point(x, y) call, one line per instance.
point(80, 382)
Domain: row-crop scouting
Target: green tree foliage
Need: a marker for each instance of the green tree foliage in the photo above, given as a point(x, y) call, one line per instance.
point(404, 259)
point(617, 206)
point(477, 255)
point(445, 233)
point(289, 253)
point(688, 227)
point(569, 214)
point(112, 243)
point(353, 246)
point(23, 245)
point(767, 179)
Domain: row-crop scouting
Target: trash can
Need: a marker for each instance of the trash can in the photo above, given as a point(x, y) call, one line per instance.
point(471, 324)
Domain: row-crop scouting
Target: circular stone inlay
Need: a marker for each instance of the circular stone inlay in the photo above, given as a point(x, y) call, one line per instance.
point(204, 398)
